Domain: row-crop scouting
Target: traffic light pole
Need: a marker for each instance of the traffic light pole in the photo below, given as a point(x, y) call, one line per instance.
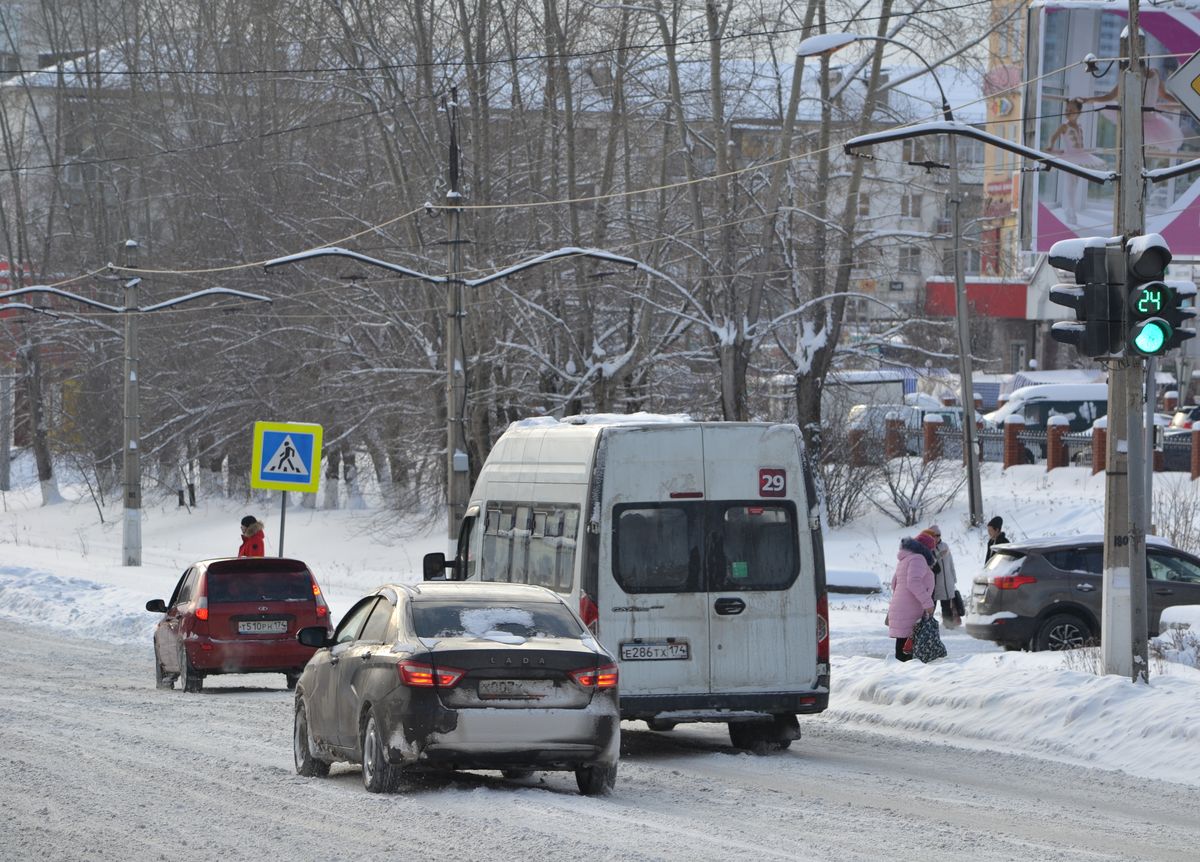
point(1123, 613)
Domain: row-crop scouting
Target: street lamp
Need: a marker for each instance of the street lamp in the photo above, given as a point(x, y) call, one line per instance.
point(131, 536)
point(825, 44)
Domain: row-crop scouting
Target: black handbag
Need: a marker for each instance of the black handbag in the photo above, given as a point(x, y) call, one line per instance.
point(927, 641)
point(959, 607)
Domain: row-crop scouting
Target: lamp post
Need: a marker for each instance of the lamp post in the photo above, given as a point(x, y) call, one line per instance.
point(826, 44)
point(131, 542)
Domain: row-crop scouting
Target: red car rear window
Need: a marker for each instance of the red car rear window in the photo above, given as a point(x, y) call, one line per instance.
point(258, 586)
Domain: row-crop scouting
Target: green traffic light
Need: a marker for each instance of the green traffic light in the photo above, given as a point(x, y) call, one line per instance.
point(1150, 337)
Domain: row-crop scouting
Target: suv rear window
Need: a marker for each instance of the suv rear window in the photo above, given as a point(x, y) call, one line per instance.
point(482, 619)
point(1088, 559)
point(252, 586)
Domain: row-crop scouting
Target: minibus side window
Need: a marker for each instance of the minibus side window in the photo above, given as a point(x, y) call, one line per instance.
point(656, 548)
point(566, 549)
point(497, 541)
point(756, 548)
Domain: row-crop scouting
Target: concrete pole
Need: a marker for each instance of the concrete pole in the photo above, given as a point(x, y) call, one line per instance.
point(457, 472)
point(966, 383)
point(1123, 614)
point(6, 430)
point(131, 543)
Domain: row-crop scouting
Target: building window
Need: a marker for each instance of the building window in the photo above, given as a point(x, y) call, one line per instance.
point(913, 150)
point(910, 205)
point(864, 204)
point(910, 259)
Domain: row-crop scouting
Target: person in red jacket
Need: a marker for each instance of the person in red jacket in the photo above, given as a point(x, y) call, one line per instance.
point(252, 538)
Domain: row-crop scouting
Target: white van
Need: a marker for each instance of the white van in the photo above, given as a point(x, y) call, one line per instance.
point(692, 549)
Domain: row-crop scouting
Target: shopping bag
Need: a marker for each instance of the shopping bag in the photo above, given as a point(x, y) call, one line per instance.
point(927, 641)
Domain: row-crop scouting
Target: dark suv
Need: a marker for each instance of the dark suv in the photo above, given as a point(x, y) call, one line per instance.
point(1045, 594)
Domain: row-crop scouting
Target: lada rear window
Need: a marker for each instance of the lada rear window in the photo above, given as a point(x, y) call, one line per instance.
point(494, 621)
point(258, 586)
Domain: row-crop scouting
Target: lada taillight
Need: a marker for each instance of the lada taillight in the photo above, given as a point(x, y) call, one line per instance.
point(418, 675)
point(604, 676)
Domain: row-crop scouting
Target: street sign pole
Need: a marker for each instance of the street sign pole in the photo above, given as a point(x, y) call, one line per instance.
point(282, 518)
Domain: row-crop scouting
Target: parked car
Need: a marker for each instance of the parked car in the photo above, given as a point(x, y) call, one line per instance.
point(1045, 594)
point(236, 615)
point(459, 675)
point(1081, 403)
point(1185, 416)
point(873, 417)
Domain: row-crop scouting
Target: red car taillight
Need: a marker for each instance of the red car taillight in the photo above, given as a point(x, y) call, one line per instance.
point(202, 608)
point(1012, 582)
point(419, 675)
point(604, 676)
point(322, 607)
point(823, 628)
point(589, 612)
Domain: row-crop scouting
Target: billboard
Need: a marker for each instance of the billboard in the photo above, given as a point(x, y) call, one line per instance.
point(1072, 111)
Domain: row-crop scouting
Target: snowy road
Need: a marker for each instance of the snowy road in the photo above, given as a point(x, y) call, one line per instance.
point(98, 765)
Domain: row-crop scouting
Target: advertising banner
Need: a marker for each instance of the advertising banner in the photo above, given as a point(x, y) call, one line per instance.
point(1071, 111)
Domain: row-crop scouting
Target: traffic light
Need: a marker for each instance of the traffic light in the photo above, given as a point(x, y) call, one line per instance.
point(1154, 314)
point(1096, 331)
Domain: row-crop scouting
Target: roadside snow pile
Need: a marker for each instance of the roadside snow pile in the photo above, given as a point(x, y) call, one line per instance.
point(1031, 703)
point(84, 608)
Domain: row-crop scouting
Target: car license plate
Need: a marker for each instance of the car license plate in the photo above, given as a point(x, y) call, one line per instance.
point(654, 651)
point(262, 627)
point(514, 689)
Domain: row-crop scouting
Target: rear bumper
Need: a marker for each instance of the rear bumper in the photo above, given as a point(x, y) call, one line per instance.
point(724, 707)
point(518, 738)
point(1012, 630)
point(260, 655)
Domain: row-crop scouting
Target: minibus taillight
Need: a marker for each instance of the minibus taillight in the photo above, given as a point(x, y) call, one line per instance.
point(823, 628)
point(596, 677)
point(419, 675)
point(589, 613)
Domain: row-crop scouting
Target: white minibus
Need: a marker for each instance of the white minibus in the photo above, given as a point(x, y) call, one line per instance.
point(692, 550)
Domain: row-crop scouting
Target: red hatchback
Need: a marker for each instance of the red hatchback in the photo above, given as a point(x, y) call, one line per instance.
point(236, 615)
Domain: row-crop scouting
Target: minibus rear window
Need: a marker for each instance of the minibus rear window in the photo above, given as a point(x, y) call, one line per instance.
point(656, 548)
point(758, 549)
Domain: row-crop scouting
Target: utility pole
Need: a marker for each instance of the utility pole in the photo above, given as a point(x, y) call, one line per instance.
point(966, 388)
point(131, 535)
point(457, 463)
point(1123, 613)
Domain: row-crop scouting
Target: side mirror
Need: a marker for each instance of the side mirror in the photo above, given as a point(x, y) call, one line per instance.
point(314, 636)
point(434, 566)
point(157, 606)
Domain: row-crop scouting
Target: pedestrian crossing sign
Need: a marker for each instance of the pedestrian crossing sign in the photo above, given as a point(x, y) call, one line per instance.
point(287, 456)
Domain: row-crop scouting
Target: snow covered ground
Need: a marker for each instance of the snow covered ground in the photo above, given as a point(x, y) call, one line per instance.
point(59, 567)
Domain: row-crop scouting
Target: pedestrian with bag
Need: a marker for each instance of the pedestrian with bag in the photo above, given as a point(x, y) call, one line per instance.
point(253, 538)
point(945, 580)
point(912, 591)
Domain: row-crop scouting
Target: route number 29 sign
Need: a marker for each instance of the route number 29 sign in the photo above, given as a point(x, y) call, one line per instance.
point(772, 482)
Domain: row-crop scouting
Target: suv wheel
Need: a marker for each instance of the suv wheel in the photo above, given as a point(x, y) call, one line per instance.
point(596, 780)
point(1062, 631)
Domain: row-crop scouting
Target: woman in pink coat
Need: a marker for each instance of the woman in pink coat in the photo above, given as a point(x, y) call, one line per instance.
point(912, 590)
